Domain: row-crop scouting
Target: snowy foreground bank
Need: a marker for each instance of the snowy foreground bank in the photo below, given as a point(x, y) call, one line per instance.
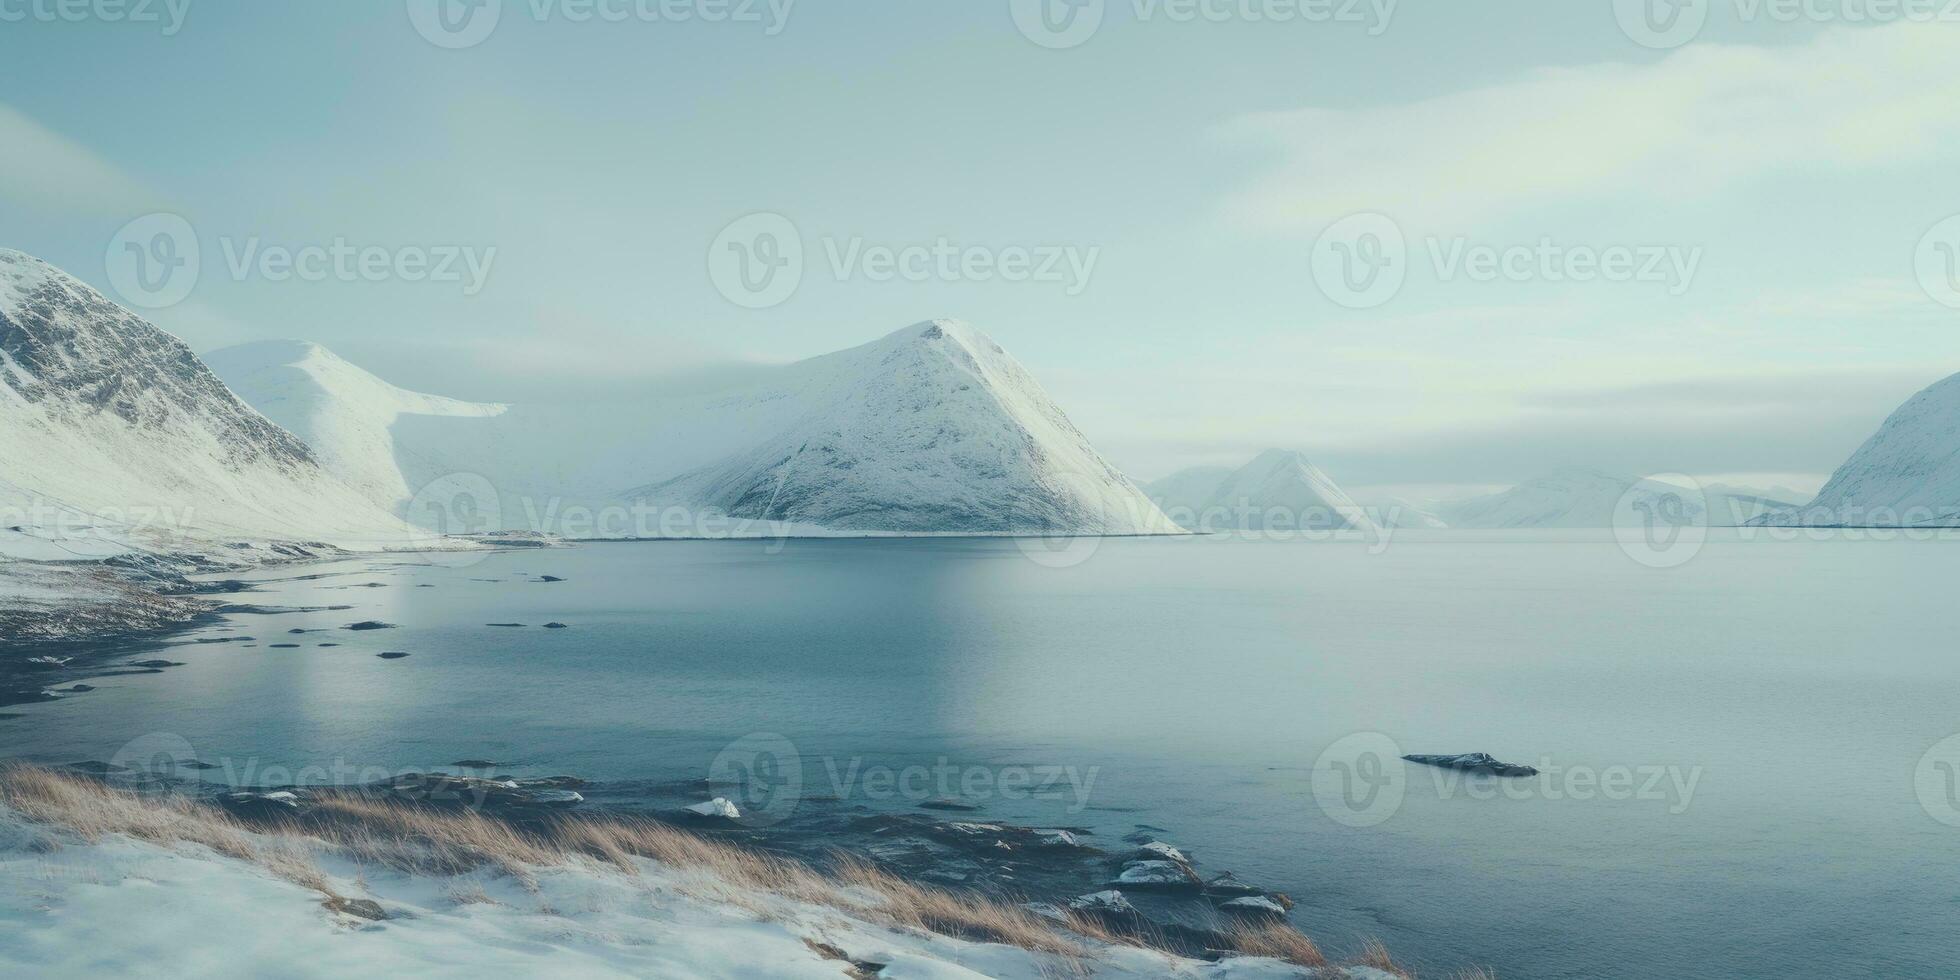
point(94, 880)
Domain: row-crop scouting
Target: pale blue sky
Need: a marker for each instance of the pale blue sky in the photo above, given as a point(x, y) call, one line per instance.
point(1800, 163)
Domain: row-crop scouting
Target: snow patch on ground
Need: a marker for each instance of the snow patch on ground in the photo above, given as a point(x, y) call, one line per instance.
point(121, 907)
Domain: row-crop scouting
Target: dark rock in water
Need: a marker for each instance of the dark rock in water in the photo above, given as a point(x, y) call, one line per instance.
point(945, 803)
point(371, 625)
point(1228, 885)
point(391, 655)
point(194, 764)
point(359, 908)
point(94, 768)
point(156, 664)
point(506, 625)
point(1109, 906)
point(1156, 850)
point(425, 585)
point(285, 646)
point(1479, 762)
point(552, 782)
point(297, 630)
point(1168, 876)
point(476, 764)
point(441, 789)
point(556, 626)
point(329, 644)
point(717, 810)
point(549, 578)
point(79, 689)
point(1255, 907)
point(276, 804)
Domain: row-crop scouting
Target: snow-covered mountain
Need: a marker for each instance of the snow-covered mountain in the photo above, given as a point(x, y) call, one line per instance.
point(933, 428)
point(1906, 474)
point(1576, 497)
point(106, 419)
point(1570, 497)
point(1277, 487)
point(346, 415)
point(1400, 512)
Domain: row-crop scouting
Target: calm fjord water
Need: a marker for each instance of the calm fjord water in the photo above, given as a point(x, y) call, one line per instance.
point(1730, 745)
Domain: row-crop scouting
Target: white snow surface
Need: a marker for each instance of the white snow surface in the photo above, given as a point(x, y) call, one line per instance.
point(1277, 485)
point(1907, 473)
point(103, 415)
point(342, 412)
point(125, 908)
point(932, 429)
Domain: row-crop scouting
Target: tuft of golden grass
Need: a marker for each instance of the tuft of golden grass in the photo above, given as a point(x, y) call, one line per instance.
point(448, 843)
point(1278, 941)
point(1374, 954)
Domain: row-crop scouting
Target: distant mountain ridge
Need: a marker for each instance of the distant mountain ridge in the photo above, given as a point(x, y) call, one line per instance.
point(932, 429)
point(1277, 487)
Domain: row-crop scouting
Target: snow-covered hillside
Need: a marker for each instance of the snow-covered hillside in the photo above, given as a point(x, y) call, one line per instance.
point(934, 428)
point(346, 415)
point(1278, 487)
point(104, 416)
point(1906, 474)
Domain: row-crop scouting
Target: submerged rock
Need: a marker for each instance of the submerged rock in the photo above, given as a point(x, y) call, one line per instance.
point(372, 624)
point(556, 626)
point(949, 804)
point(1479, 762)
point(391, 655)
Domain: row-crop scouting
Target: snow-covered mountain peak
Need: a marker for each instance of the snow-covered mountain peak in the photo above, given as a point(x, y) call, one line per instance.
point(932, 428)
point(102, 413)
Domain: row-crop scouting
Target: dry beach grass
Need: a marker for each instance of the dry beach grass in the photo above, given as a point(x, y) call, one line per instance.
point(454, 842)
